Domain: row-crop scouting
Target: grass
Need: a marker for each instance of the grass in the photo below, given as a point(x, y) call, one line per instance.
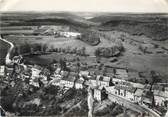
point(59, 42)
point(138, 62)
point(3, 50)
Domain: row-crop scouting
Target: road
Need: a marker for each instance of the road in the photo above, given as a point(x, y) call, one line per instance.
point(126, 103)
point(8, 61)
point(90, 103)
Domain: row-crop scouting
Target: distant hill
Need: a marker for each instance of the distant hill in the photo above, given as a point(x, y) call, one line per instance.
point(34, 18)
point(154, 26)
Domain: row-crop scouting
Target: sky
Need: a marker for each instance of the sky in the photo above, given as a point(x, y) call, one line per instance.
point(135, 6)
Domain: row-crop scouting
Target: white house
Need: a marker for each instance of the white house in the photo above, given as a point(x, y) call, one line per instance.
point(79, 83)
point(117, 80)
point(34, 82)
point(68, 81)
point(55, 82)
point(84, 73)
point(160, 97)
point(35, 72)
point(17, 59)
point(58, 70)
point(93, 82)
point(125, 91)
point(56, 76)
point(2, 70)
point(70, 34)
point(138, 95)
point(99, 93)
point(103, 80)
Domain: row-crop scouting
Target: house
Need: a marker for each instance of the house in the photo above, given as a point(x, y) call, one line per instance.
point(138, 95)
point(69, 34)
point(148, 98)
point(99, 93)
point(55, 82)
point(160, 98)
point(26, 74)
point(9, 70)
point(125, 91)
point(84, 73)
point(34, 82)
point(65, 73)
point(110, 89)
point(93, 82)
point(117, 80)
point(2, 70)
point(68, 81)
point(17, 59)
point(137, 85)
point(103, 80)
point(121, 73)
point(36, 70)
point(58, 70)
point(46, 72)
point(79, 83)
point(57, 76)
point(51, 29)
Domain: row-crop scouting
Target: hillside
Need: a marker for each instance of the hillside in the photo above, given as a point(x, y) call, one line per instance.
point(153, 26)
point(28, 18)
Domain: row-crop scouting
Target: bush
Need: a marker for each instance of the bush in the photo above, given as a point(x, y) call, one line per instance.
point(107, 52)
point(92, 38)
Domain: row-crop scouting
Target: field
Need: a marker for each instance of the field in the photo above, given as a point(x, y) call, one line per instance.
point(134, 30)
point(3, 50)
point(140, 40)
point(59, 42)
point(133, 58)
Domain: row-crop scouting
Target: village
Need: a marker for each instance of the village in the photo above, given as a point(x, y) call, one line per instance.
point(103, 86)
point(59, 67)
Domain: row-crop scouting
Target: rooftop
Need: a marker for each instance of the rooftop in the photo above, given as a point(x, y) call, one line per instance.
point(127, 88)
point(80, 81)
point(103, 78)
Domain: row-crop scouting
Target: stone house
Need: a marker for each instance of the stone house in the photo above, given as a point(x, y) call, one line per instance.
point(79, 83)
point(99, 93)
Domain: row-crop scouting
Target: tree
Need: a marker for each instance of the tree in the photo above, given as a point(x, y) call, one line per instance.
point(25, 48)
point(16, 51)
point(62, 64)
point(44, 47)
point(78, 67)
point(83, 51)
point(97, 52)
point(54, 61)
point(154, 77)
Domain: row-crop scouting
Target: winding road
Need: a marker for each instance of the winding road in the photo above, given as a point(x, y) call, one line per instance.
point(8, 61)
point(90, 103)
point(126, 103)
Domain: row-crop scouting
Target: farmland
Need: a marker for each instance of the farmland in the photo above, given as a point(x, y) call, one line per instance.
point(57, 51)
point(59, 42)
point(109, 26)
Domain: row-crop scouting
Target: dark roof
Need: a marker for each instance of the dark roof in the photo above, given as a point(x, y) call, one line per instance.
point(104, 78)
point(127, 88)
point(80, 81)
point(70, 78)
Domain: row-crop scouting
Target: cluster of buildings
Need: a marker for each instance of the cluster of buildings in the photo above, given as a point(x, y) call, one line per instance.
point(57, 30)
point(101, 85)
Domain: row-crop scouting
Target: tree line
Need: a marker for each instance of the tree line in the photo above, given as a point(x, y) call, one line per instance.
point(109, 51)
point(70, 50)
point(27, 48)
